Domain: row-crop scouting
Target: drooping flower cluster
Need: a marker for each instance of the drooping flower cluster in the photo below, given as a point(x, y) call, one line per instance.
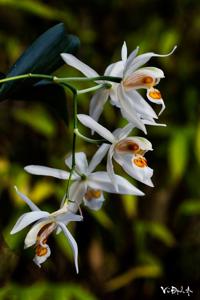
point(87, 186)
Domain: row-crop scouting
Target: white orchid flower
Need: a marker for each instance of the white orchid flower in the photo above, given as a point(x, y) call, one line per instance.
point(127, 151)
point(134, 78)
point(45, 224)
point(124, 94)
point(88, 185)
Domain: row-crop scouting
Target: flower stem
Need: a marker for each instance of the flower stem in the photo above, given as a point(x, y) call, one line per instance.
point(25, 76)
point(60, 80)
point(85, 138)
point(94, 88)
point(74, 138)
point(107, 78)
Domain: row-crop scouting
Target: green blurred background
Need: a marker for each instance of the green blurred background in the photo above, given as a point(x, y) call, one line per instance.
point(134, 245)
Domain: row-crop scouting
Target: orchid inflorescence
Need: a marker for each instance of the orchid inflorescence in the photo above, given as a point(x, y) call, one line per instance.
point(120, 84)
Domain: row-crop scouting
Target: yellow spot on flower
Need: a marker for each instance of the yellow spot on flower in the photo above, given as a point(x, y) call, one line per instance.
point(140, 162)
point(92, 194)
point(155, 94)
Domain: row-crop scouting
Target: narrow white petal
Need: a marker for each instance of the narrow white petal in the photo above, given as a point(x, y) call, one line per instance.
point(122, 133)
point(28, 218)
point(130, 59)
point(125, 187)
point(68, 217)
point(97, 103)
point(124, 52)
point(110, 168)
point(81, 162)
point(141, 60)
point(101, 180)
point(153, 123)
point(137, 103)
point(72, 243)
point(31, 236)
point(93, 125)
point(74, 62)
point(115, 69)
point(114, 99)
point(27, 200)
point(98, 156)
point(127, 110)
point(46, 171)
point(76, 192)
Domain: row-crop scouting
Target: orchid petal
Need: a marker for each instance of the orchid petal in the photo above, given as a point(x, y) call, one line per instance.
point(127, 110)
point(74, 62)
point(97, 103)
point(130, 58)
point(76, 192)
point(31, 237)
point(138, 104)
point(81, 162)
point(68, 217)
point(46, 171)
point(27, 200)
point(124, 52)
point(72, 243)
point(114, 99)
point(115, 69)
point(100, 180)
point(98, 156)
point(141, 60)
point(153, 123)
point(93, 125)
point(122, 133)
point(28, 218)
point(110, 168)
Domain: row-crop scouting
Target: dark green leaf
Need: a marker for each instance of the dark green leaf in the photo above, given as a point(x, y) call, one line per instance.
point(43, 56)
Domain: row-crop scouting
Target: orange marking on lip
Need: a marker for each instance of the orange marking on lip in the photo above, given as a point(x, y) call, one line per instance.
point(140, 162)
point(127, 146)
point(92, 194)
point(41, 251)
point(155, 94)
point(147, 80)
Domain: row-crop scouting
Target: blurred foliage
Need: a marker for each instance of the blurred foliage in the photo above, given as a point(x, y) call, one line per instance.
point(37, 292)
point(134, 245)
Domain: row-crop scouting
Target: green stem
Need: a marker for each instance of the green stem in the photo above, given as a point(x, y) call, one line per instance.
point(60, 80)
point(74, 137)
point(25, 76)
point(94, 88)
point(85, 138)
point(107, 78)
